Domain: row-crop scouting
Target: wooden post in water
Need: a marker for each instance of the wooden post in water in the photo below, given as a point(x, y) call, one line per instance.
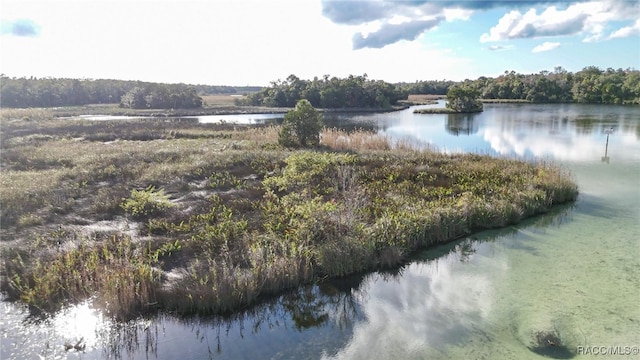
point(605, 158)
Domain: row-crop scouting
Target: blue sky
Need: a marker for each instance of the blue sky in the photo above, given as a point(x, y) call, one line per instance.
point(253, 42)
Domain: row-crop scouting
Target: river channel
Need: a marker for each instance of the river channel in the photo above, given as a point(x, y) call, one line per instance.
point(564, 284)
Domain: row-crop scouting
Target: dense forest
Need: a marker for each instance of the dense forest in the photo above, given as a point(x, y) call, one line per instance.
point(590, 85)
point(53, 92)
point(430, 87)
point(161, 96)
point(225, 90)
point(328, 92)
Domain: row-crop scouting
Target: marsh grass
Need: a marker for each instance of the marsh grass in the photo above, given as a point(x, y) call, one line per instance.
point(26, 115)
point(212, 217)
point(341, 140)
point(422, 99)
point(119, 275)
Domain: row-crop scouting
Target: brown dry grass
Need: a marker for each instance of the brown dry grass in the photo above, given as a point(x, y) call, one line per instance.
point(341, 140)
point(219, 100)
point(423, 97)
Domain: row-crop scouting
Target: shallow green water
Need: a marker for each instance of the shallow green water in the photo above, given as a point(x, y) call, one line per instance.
point(574, 272)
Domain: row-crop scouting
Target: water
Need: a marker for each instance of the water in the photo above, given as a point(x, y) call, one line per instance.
point(251, 119)
point(573, 273)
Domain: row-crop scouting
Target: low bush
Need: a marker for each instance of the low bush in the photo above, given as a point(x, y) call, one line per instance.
point(143, 204)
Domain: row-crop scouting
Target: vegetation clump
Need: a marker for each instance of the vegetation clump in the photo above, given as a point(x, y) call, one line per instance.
point(462, 99)
point(143, 204)
point(352, 92)
point(232, 215)
point(156, 96)
point(549, 344)
point(301, 126)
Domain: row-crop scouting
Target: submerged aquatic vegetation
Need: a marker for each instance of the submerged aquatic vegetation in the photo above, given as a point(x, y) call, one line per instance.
point(226, 215)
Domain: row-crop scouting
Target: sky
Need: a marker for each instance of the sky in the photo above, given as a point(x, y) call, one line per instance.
point(255, 42)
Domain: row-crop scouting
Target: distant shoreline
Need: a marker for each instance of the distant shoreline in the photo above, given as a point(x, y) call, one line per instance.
point(443, 111)
point(115, 110)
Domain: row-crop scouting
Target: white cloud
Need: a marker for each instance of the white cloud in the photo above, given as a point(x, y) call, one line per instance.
point(252, 42)
point(588, 18)
point(633, 30)
point(551, 22)
point(546, 46)
point(457, 14)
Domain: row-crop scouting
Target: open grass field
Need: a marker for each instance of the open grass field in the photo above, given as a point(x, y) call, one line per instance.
point(161, 214)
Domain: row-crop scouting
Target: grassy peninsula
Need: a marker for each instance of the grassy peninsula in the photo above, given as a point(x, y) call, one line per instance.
point(155, 214)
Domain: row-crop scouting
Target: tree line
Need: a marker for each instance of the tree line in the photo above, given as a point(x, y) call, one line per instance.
point(161, 96)
point(590, 85)
point(53, 92)
point(225, 89)
point(328, 92)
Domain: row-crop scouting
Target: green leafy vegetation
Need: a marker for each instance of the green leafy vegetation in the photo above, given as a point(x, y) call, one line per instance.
point(463, 99)
point(53, 92)
point(156, 96)
point(328, 92)
point(301, 126)
point(590, 85)
point(145, 203)
point(230, 214)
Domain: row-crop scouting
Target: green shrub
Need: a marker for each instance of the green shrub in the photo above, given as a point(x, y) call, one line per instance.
point(146, 203)
point(301, 126)
point(29, 219)
point(310, 170)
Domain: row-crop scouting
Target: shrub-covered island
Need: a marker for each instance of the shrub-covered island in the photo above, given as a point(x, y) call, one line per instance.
point(200, 218)
point(460, 99)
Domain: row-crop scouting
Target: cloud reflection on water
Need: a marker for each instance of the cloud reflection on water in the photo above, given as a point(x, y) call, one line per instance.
point(433, 305)
point(566, 132)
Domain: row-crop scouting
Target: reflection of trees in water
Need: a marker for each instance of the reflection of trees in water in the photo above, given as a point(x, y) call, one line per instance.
point(461, 124)
point(121, 340)
point(306, 307)
point(347, 123)
point(314, 306)
point(585, 125)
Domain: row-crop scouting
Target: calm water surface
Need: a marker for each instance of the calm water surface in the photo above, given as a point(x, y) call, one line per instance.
point(574, 272)
point(251, 119)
